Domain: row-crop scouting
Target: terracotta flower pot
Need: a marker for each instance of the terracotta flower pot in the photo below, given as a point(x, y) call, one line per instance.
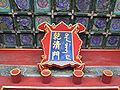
point(46, 76)
point(107, 76)
point(15, 75)
point(77, 76)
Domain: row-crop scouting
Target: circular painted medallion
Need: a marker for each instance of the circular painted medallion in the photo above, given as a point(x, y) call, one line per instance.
point(112, 40)
point(42, 3)
point(26, 39)
point(96, 40)
point(10, 39)
point(115, 25)
point(62, 4)
point(82, 4)
point(100, 23)
point(22, 4)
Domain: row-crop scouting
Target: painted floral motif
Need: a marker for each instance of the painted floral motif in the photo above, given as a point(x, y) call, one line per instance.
point(10, 39)
point(82, 5)
point(62, 5)
point(42, 5)
point(112, 40)
point(24, 23)
point(115, 25)
point(26, 39)
point(40, 19)
point(4, 6)
point(3, 3)
point(102, 5)
point(96, 40)
point(6, 23)
point(99, 24)
point(22, 4)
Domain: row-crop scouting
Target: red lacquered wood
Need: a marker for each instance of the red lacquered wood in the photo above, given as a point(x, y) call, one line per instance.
point(91, 57)
point(46, 76)
point(77, 76)
point(101, 57)
point(107, 76)
point(15, 75)
point(59, 82)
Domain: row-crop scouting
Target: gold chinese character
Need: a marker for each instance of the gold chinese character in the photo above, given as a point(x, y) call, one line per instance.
point(56, 45)
point(56, 53)
point(57, 36)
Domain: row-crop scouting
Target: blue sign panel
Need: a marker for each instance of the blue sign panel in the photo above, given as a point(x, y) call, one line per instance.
point(61, 46)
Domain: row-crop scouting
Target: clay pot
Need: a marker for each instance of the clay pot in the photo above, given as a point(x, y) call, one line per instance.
point(15, 75)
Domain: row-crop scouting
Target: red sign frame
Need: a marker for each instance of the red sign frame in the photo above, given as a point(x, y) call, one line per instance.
point(77, 43)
